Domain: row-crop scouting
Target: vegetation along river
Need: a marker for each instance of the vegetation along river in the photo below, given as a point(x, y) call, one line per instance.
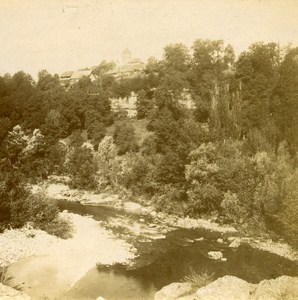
point(167, 257)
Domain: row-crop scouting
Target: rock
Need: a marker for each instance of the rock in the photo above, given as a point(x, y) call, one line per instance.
point(219, 240)
point(199, 239)
point(231, 238)
point(153, 214)
point(284, 287)
point(132, 207)
point(142, 220)
point(100, 298)
point(151, 225)
point(158, 237)
point(174, 291)
point(225, 288)
point(215, 255)
point(161, 215)
point(223, 259)
point(7, 293)
point(145, 211)
point(236, 243)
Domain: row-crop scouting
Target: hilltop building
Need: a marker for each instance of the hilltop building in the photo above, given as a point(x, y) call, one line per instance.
point(129, 68)
point(69, 78)
point(126, 56)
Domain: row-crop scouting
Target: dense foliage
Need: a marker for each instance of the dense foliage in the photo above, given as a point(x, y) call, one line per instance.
point(232, 154)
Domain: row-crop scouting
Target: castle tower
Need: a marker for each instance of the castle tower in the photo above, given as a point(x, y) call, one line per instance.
point(126, 56)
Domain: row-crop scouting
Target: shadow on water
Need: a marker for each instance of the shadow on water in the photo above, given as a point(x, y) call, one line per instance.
point(163, 261)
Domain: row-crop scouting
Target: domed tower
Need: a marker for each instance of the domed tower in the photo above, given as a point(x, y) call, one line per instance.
point(126, 56)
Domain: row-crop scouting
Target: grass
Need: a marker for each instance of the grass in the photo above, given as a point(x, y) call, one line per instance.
point(7, 280)
point(198, 280)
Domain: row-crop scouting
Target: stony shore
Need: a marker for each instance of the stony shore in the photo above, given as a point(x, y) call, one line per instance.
point(51, 260)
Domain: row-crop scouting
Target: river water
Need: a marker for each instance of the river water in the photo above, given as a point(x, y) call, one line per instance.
point(166, 255)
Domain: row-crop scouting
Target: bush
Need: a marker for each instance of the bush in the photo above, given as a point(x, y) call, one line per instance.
point(36, 209)
point(287, 215)
point(58, 227)
point(231, 208)
point(198, 280)
point(20, 207)
point(82, 168)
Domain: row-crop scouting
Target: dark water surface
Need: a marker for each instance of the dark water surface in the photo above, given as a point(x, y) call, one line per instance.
point(167, 260)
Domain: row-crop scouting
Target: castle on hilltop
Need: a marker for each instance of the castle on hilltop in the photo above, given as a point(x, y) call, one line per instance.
point(129, 68)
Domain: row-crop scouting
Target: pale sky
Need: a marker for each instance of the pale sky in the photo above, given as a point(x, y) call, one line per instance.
point(62, 35)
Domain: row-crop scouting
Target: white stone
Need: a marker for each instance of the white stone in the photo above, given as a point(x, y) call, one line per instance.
point(225, 288)
point(236, 243)
point(153, 214)
point(132, 207)
point(215, 255)
point(219, 240)
point(283, 287)
point(145, 211)
point(174, 291)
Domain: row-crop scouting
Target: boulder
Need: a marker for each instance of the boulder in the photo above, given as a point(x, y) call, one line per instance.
point(283, 288)
point(215, 255)
point(236, 243)
point(219, 240)
point(145, 211)
point(132, 207)
point(153, 214)
point(174, 291)
point(225, 288)
point(9, 293)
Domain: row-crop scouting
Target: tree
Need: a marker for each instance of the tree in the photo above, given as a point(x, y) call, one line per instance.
point(176, 57)
point(15, 142)
point(82, 168)
point(125, 138)
point(284, 106)
point(47, 82)
point(258, 70)
point(144, 105)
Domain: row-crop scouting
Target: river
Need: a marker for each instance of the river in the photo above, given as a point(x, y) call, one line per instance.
point(166, 255)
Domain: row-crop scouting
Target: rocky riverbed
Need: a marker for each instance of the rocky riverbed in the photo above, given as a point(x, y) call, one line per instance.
point(62, 191)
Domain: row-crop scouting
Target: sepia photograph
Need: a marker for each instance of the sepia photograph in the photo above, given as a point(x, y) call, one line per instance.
point(149, 150)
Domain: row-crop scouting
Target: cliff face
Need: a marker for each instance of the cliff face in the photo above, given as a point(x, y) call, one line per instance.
point(233, 288)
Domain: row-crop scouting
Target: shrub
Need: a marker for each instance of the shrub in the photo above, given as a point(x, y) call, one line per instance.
point(231, 208)
point(198, 280)
point(82, 168)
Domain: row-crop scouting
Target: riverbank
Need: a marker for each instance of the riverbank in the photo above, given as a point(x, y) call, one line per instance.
point(62, 191)
point(44, 265)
